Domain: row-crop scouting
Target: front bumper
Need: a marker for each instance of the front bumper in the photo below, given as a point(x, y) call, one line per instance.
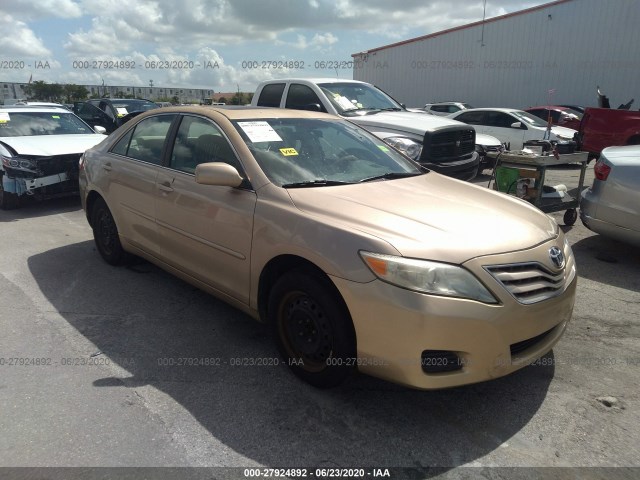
point(465, 169)
point(395, 326)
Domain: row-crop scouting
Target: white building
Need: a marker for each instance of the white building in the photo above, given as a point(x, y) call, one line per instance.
point(558, 52)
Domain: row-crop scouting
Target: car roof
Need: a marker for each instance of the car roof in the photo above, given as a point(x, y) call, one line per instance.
point(446, 103)
point(489, 109)
point(318, 80)
point(234, 112)
point(549, 107)
point(33, 108)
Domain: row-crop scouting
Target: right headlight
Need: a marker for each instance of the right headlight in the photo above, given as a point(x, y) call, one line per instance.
point(410, 148)
point(427, 276)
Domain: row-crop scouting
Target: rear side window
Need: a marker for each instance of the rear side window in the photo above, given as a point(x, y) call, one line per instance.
point(147, 140)
point(472, 118)
point(271, 95)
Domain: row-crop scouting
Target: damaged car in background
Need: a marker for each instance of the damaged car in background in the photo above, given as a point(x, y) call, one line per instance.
point(39, 152)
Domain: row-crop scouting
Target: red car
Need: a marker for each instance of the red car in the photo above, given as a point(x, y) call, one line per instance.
point(560, 116)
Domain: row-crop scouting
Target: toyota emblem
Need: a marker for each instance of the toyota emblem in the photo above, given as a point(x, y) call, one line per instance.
point(457, 143)
point(556, 256)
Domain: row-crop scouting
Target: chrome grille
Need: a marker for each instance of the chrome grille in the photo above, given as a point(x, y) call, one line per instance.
point(529, 282)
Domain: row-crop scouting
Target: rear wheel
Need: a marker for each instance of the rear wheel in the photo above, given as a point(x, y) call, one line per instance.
point(312, 328)
point(8, 200)
point(105, 234)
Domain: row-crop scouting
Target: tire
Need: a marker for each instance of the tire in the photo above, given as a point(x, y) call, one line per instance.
point(570, 217)
point(105, 234)
point(8, 200)
point(312, 328)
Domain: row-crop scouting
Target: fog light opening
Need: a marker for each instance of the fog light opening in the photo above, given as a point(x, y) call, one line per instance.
point(440, 361)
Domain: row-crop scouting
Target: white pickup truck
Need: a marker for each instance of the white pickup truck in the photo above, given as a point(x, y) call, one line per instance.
point(443, 145)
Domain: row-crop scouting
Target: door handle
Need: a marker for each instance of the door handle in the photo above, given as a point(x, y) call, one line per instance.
point(165, 187)
point(107, 167)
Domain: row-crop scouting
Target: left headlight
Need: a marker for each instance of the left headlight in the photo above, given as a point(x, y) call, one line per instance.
point(427, 276)
point(410, 148)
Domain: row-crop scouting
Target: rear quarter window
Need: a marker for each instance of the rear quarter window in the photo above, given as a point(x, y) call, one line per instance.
point(271, 95)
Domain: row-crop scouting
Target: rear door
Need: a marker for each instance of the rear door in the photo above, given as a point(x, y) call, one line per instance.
point(130, 186)
point(206, 230)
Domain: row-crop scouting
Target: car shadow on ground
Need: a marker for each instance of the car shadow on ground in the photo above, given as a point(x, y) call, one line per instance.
point(32, 208)
point(157, 327)
point(622, 262)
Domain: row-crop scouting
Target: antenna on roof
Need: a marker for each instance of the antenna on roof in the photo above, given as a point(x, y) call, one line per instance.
point(484, 12)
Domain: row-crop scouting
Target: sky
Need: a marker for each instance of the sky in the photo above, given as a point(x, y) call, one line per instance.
point(224, 45)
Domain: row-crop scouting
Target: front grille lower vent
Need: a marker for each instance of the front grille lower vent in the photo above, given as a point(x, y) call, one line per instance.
point(529, 282)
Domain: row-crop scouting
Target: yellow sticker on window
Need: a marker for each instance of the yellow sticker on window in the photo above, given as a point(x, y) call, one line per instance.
point(383, 148)
point(55, 116)
point(288, 151)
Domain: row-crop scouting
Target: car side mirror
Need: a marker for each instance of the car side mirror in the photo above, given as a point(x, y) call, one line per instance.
point(516, 125)
point(99, 129)
point(218, 173)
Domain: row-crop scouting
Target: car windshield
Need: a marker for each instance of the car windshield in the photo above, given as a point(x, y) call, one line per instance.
point(24, 124)
point(529, 119)
point(357, 98)
point(296, 152)
point(133, 105)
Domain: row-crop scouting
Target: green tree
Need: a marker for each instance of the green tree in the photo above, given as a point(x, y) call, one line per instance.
point(74, 93)
point(222, 100)
point(43, 91)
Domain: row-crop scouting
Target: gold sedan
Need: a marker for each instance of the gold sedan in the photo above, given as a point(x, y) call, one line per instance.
point(359, 258)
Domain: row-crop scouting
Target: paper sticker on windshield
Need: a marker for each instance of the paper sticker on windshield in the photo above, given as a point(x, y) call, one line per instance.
point(383, 148)
point(55, 116)
point(121, 111)
point(344, 102)
point(260, 132)
point(4, 117)
point(288, 151)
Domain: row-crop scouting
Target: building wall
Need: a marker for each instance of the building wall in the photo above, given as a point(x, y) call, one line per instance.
point(569, 47)
point(13, 91)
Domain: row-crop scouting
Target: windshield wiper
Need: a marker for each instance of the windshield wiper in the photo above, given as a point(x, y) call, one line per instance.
point(391, 175)
point(315, 183)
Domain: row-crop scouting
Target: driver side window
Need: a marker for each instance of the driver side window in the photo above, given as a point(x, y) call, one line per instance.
point(200, 141)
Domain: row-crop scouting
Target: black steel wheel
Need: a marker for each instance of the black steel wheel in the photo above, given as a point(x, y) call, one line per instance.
point(105, 234)
point(570, 216)
point(8, 200)
point(312, 328)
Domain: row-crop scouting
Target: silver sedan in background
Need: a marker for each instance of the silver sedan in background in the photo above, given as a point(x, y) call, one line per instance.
point(611, 206)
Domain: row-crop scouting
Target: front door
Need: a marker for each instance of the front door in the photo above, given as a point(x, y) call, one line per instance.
point(206, 230)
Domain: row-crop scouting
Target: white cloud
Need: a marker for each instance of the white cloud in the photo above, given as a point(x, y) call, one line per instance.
point(20, 41)
point(36, 9)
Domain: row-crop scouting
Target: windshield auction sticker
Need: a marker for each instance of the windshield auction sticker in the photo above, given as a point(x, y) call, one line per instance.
point(4, 117)
point(260, 132)
point(288, 151)
point(122, 111)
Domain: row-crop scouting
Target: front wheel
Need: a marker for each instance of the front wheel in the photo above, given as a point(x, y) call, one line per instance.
point(570, 217)
point(312, 328)
point(105, 234)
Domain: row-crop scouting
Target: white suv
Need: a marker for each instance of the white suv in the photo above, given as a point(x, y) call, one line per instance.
point(446, 108)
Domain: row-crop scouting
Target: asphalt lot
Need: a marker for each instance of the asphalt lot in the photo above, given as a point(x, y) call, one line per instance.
point(109, 388)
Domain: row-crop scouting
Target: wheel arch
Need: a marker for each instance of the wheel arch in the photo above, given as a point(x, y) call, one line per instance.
point(92, 197)
point(278, 266)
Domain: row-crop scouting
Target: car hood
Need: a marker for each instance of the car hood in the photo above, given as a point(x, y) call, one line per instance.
point(48, 145)
point(431, 216)
point(487, 140)
point(417, 123)
point(564, 132)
